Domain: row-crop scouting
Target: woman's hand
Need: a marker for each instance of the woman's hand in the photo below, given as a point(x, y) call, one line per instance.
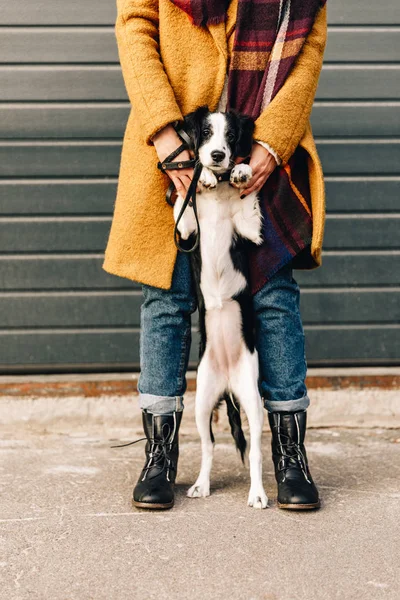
point(263, 164)
point(165, 142)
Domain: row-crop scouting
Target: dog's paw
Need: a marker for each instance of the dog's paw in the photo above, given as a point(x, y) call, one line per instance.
point(208, 180)
point(199, 490)
point(257, 499)
point(241, 175)
point(257, 239)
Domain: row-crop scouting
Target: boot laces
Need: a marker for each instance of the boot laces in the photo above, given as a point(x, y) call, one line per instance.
point(158, 454)
point(293, 452)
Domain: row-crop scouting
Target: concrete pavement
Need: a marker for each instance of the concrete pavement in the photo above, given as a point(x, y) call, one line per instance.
point(69, 532)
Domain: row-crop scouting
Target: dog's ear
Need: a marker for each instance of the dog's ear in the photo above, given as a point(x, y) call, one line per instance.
point(244, 141)
point(192, 124)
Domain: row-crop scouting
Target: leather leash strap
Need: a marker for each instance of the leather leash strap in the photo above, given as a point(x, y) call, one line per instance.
point(190, 199)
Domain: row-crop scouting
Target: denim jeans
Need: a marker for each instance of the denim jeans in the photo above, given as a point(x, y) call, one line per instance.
point(166, 337)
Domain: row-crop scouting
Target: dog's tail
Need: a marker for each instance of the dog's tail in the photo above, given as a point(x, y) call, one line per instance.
point(233, 409)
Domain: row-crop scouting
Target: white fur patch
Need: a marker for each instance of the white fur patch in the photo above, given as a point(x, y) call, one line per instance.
point(217, 141)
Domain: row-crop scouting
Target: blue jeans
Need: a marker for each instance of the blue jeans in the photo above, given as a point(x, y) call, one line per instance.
point(166, 337)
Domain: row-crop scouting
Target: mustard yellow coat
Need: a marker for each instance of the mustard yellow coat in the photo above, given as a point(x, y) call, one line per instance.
point(170, 67)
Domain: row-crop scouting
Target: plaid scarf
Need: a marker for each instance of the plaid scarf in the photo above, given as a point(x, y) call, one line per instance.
point(261, 60)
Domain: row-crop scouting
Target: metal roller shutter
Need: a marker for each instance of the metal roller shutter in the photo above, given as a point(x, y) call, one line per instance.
point(63, 109)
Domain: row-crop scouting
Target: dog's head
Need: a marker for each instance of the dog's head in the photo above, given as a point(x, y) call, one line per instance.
point(218, 138)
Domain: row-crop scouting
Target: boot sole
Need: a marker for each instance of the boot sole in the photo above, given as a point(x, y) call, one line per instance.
point(299, 506)
point(152, 506)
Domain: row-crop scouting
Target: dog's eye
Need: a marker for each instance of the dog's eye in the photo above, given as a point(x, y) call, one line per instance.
point(231, 137)
point(206, 132)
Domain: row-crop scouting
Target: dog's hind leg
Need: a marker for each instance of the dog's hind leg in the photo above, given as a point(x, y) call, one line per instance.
point(210, 385)
point(244, 386)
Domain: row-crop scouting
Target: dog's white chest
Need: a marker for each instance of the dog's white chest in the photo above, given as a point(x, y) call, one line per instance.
point(220, 281)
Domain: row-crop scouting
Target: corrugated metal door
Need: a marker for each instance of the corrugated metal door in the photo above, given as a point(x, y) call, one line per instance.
point(63, 108)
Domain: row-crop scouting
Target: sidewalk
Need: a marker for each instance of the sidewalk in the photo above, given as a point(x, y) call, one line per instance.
point(347, 397)
point(68, 530)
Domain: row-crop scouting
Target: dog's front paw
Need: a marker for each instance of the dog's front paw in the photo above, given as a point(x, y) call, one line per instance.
point(241, 175)
point(199, 490)
point(257, 498)
point(208, 180)
point(257, 239)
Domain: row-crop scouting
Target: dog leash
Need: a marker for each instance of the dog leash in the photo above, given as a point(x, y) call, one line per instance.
point(190, 199)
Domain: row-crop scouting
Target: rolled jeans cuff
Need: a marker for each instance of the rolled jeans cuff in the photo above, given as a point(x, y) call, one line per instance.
point(287, 405)
point(160, 405)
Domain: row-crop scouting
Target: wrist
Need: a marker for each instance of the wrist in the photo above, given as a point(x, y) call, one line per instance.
point(167, 132)
point(270, 150)
point(166, 141)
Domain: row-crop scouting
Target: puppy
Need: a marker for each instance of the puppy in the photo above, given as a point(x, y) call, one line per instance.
point(228, 367)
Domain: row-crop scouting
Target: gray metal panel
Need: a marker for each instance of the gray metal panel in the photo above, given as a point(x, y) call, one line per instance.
point(354, 194)
point(363, 44)
point(107, 120)
point(58, 12)
point(54, 234)
point(378, 231)
point(88, 158)
point(98, 44)
point(85, 83)
point(121, 308)
point(84, 272)
point(59, 159)
point(64, 118)
point(358, 82)
point(93, 309)
point(57, 347)
point(103, 12)
point(362, 344)
point(362, 193)
point(60, 82)
point(354, 268)
point(68, 272)
point(89, 234)
point(358, 12)
point(345, 305)
point(359, 119)
point(57, 197)
point(94, 348)
point(369, 156)
point(58, 45)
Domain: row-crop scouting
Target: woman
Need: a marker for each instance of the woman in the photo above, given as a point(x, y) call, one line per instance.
point(263, 58)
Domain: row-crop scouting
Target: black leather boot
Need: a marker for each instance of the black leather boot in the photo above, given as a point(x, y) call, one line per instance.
point(296, 489)
point(155, 486)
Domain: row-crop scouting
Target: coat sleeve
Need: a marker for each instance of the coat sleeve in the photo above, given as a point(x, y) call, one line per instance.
point(283, 122)
point(146, 81)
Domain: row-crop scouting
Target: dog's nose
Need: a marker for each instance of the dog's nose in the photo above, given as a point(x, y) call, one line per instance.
point(217, 155)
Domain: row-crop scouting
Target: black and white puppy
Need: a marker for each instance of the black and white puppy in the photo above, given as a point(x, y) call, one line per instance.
point(228, 367)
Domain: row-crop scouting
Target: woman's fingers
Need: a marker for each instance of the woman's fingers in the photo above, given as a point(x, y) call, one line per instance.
point(262, 163)
point(260, 176)
point(185, 181)
point(255, 187)
point(181, 179)
point(179, 186)
point(255, 184)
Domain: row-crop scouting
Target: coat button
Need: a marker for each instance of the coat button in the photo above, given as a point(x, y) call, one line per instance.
point(164, 166)
point(180, 165)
